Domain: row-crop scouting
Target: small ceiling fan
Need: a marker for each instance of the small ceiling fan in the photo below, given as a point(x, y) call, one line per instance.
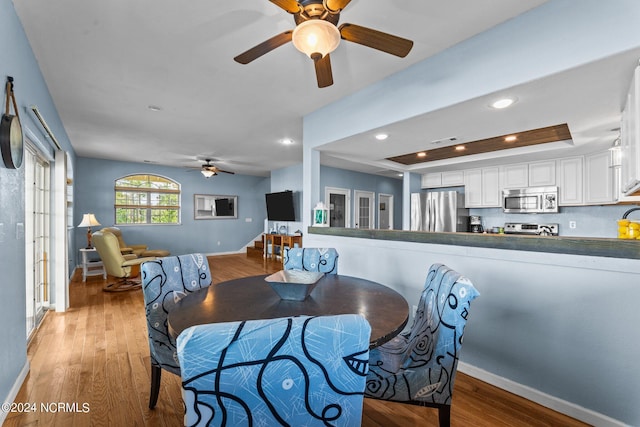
point(209, 170)
point(317, 35)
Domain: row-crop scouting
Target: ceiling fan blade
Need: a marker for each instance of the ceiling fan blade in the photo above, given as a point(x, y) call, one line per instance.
point(290, 6)
point(224, 171)
point(264, 47)
point(323, 70)
point(337, 5)
point(376, 39)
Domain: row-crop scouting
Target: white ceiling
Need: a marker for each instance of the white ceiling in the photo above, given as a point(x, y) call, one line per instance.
point(106, 62)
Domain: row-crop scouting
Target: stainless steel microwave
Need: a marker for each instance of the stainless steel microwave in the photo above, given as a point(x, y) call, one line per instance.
point(530, 200)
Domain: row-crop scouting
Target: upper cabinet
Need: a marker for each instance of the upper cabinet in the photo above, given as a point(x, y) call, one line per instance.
point(598, 179)
point(570, 179)
point(482, 188)
point(630, 138)
point(536, 174)
point(443, 179)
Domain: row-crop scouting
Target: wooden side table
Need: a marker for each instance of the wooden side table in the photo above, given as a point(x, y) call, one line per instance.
point(91, 267)
point(281, 240)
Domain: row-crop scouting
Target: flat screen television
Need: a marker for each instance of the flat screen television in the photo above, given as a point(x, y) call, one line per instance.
point(280, 206)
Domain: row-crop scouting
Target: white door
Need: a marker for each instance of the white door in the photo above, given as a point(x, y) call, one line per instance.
point(37, 231)
point(364, 213)
point(385, 211)
point(339, 202)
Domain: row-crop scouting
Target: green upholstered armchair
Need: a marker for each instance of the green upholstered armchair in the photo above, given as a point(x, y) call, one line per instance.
point(115, 263)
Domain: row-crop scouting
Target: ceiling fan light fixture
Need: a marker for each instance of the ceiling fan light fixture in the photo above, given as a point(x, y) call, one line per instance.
point(316, 36)
point(207, 173)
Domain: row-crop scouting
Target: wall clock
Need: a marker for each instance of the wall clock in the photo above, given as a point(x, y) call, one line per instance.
point(11, 138)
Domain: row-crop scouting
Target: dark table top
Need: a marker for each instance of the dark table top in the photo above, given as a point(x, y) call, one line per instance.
point(252, 298)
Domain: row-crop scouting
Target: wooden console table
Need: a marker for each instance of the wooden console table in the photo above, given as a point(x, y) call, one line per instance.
point(281, 240)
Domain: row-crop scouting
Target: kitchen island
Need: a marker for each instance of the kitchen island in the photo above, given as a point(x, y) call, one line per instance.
point(556, 319)
point(602, 247)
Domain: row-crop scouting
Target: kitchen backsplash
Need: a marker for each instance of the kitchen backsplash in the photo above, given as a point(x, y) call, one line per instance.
point(591, 221)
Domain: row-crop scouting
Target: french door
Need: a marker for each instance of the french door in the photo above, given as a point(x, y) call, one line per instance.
point(364, 213)
point(37, 232)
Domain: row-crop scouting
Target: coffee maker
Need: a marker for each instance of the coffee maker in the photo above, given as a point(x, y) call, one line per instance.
point(475, 224)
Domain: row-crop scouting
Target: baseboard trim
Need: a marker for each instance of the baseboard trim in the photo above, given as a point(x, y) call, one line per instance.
point(564, 407)
point(15, 389)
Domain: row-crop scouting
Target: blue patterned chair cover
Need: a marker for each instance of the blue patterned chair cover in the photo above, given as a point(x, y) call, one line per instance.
point(164, 282)
point(419, 366)
point(293, 371)
point(324, 260)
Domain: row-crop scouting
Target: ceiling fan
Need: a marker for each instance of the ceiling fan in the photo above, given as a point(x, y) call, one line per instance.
point(317, 35)
point(209, 170)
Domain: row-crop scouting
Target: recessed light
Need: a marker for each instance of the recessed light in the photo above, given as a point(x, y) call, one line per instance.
point(154, 108)
point(382, 136)
point(510, 138)
point(422, 154)
point(460, 148)
point(287, 141)
point(503, 103)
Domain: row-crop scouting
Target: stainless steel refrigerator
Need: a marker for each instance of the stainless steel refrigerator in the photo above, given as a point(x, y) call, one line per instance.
point(439, 211)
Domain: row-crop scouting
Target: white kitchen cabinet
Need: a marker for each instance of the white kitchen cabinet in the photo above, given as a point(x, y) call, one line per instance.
point(442, 179)
point(542, 174)
point(598, 179)
point(630, 138)
point(514, 176)
point(491, 193)
point(482, 187)
point(431, 180)
point(473, 188)
point(452, 178)
point(570, 179)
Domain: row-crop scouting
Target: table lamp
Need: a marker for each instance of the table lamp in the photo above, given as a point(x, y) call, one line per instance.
point(88, 220)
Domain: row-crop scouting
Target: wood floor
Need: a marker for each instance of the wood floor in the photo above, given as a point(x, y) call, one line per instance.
point(94, 360)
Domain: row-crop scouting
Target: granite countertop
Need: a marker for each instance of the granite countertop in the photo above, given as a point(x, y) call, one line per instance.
point(604, 247)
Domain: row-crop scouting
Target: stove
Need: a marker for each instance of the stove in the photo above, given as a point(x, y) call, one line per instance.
point(532, 229)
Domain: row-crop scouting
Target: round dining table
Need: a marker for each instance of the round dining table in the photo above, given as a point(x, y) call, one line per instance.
point(252, 298)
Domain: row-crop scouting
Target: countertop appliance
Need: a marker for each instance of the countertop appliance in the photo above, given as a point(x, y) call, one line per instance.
point(530, 228)
point(530, 200)
point(439, 211)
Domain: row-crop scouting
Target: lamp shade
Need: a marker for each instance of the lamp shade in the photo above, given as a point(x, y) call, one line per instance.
point(208, 173)
point(88, 220)
point(316, 36)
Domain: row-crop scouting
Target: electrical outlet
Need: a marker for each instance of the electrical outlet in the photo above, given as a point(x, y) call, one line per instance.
point(572, 224)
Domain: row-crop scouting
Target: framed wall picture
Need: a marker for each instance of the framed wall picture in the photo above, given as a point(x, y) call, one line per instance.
point(214, 206)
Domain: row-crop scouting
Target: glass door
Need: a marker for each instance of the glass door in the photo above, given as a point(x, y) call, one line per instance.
point(364, 209)
point(37, 232)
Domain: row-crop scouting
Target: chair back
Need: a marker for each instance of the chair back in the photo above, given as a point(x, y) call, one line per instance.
point(106, 245)
point(118, 233)
point(324, 260)
point(288, 371)
point(421, 364)
point(165, 281)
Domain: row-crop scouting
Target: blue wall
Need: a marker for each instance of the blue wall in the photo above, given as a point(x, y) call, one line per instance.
point(17, 60)
point(591, 221)
point(94, 193)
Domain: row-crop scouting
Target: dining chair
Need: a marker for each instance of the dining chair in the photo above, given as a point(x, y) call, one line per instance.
point(165, 282)
point(419, 367)
point(324, 260)
point(292, 371)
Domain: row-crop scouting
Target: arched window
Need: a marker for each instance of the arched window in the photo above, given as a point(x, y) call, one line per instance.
point(147, 199)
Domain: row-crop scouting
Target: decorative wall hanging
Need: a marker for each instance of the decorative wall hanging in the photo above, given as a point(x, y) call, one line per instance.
point(11, 140)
